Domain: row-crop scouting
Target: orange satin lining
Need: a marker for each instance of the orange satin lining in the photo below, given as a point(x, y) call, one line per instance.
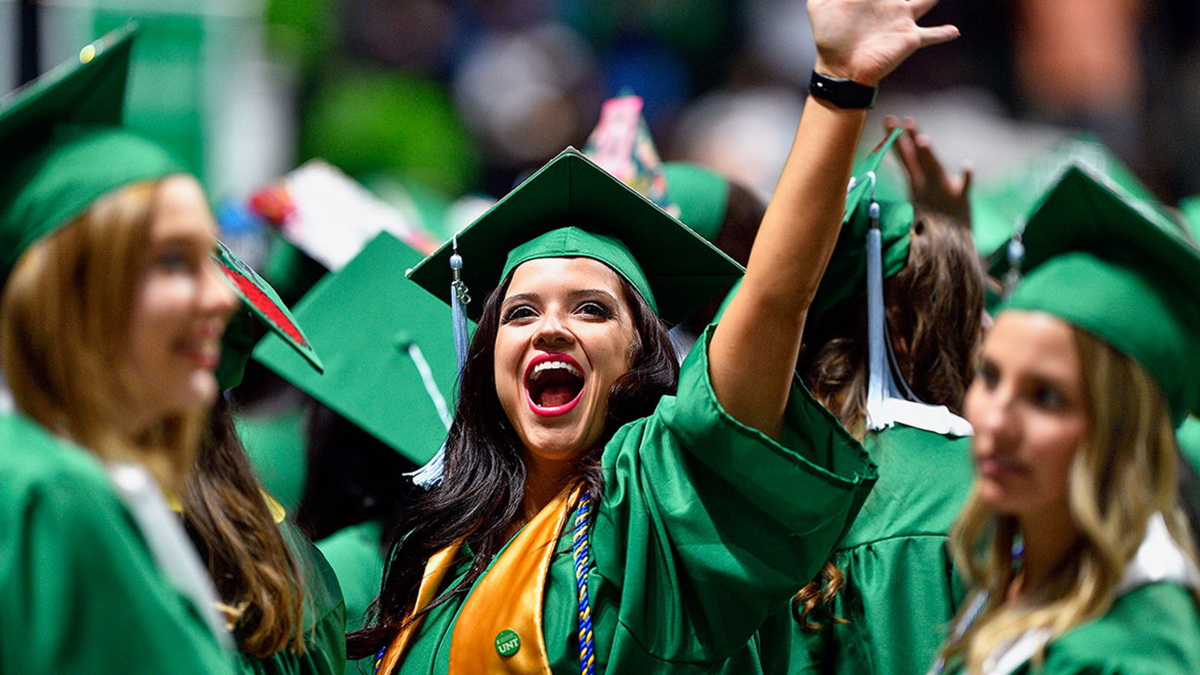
point(507, 597)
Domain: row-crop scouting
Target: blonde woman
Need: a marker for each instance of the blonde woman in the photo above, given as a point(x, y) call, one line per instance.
point(111, 317)
point(1081, 557)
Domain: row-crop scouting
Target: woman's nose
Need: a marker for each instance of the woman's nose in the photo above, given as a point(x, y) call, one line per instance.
point(215, 294)
point(552, 330)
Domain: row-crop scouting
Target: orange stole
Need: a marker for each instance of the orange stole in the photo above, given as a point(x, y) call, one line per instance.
point(507, 597)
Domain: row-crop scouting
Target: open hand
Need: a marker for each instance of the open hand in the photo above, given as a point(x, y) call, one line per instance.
point(929, 184)
point(864, 40)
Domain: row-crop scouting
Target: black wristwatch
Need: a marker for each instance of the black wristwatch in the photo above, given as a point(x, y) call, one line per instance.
point(841, 92)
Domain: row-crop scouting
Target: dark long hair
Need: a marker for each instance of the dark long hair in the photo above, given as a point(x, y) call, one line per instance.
point(352, 477)
point(934, 313)
point(482, 489)
point(250, 563)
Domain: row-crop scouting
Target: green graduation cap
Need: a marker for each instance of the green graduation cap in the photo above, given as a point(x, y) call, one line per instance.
point(1113, 265)
point(573, 208)
point(845, 280)
point(1190, 208)
point(389, 358)
point(702, 196)
point(1001, 206)
point(64, 146)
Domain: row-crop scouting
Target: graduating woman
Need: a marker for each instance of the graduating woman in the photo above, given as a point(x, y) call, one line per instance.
point(1074, 539)
point(675, 498)
point(110, 324)
point(891, 351)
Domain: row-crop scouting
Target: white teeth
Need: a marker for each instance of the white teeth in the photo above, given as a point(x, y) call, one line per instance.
point(554, 365)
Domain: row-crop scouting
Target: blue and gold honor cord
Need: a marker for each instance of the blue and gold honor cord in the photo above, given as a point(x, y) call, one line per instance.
point(587, 657)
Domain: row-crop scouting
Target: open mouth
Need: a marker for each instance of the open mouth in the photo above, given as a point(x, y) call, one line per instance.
point(553, 384)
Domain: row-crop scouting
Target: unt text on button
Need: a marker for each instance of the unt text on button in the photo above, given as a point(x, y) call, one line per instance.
point(508, 642)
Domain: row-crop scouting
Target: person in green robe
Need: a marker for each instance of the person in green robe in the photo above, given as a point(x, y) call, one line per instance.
point(360, 444)
point(110, 322)
point(1074, 539)
point(593, 511)
point(887, 594)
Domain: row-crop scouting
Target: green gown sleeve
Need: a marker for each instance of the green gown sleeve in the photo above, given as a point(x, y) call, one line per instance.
point(80, 590)
point(324, 618)
point(356, 556)
point(707, 527)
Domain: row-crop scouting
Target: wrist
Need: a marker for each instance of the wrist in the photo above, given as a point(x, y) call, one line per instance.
point(842, 92)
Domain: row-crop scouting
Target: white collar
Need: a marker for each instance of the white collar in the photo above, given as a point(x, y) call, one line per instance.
point(1158, 559)
point(935, 418)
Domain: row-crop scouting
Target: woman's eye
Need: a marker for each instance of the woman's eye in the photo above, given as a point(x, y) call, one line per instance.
point(1049, 398)
point(988, 375)
point(173, 261)
point(517, 313)
point(596, 309)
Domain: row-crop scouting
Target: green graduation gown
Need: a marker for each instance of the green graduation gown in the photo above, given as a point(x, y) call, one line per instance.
point(356, 556)
point(705, 529)
point(80, 591)
point(900, 591)
point(1152, 627)
point(324, 618)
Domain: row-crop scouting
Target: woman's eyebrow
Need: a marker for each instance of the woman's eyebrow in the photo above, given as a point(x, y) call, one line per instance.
point(526, 297)
point(591, 292)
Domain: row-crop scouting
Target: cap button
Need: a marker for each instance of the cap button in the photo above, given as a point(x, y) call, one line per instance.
point(508, 642)
point(87, 54)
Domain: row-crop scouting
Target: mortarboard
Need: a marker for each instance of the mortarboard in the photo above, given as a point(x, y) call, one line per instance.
point(1110, 263)
point(389, 359)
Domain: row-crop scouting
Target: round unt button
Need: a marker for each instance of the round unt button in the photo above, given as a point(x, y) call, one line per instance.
point(508, 642)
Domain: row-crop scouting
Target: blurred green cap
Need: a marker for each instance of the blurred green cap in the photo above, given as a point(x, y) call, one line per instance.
point(64, 146)
point(1110, 263)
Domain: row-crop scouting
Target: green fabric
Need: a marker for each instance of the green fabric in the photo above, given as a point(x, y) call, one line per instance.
point(1188, 436)
point(324, 618)
point(80, 588)
point(356, 556)
point(573, 242)
point(901, 592)
point(1190, 208)
point(1109, 263)
point(363, 319)
point(276, 447)
point(701, 195)
point(1151, 630)
point(999, 206)
point(845, 280)
point(698, 542)
point(683, 271)
point(64, 147)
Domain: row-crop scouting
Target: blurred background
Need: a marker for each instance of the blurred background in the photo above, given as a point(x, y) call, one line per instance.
point(425, 101)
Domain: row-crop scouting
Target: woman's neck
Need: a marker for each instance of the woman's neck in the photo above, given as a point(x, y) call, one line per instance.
point(543, 483)
point(1047, 543)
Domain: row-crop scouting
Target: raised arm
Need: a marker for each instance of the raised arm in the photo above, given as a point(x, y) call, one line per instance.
point(753, 353)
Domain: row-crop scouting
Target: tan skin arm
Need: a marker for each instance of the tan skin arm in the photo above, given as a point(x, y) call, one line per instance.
point(753, 353)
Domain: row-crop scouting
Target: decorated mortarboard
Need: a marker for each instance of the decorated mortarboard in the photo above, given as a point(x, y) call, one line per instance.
point(64, 145)
point(261, 303)
point(573, 208)
point(389, 359)
point(1002, 206)
point(621, 144)
point(1113, 265)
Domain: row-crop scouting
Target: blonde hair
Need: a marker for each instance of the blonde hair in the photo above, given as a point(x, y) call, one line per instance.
point(63, 319)
point(1123, 472)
